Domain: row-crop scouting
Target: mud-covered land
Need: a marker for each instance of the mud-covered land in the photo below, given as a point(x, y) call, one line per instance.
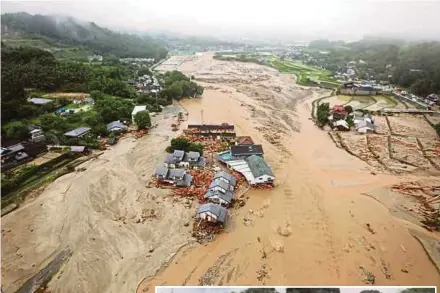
point(118, 229)
point(316, 226)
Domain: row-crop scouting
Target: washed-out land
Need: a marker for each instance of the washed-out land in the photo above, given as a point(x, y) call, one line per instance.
point(329, 220)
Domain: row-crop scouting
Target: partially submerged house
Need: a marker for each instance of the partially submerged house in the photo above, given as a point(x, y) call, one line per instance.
point(78, 132)
point(212, 213)
point(365, 126)
point(243, 151)
point(226, 177)
point(219, 185)
point(218, 197)
point(244, 140)
point(178, 177)
point(260, 170)
point(185, 160)
point(116, 126)
point(339, 112)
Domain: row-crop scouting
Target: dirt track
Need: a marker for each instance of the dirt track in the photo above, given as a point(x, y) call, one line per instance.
point(102, 214)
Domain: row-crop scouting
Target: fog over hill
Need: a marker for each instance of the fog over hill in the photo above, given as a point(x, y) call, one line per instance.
point(298, 20)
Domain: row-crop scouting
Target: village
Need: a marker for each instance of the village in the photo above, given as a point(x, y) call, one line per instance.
point(218, 179)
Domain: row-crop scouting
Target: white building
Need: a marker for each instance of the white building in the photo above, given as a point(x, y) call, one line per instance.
point(136, 110)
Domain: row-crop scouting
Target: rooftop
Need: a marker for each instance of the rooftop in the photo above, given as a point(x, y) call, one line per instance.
point(253, 149)
point(258, 166)
point(77, 132)
point(215, 209)
point(116, 124)
point(227, 176)
point(220, 184)
point(224, 196)
point(40, 101)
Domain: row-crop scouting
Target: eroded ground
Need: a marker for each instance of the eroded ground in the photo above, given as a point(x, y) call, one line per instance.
point(314, 227)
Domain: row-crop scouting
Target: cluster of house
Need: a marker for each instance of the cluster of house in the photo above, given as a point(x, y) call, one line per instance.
point(247, 158)
point(174, 168)
point(219, 196)
point(363, 122)
point(134, 61)
point(145, 84)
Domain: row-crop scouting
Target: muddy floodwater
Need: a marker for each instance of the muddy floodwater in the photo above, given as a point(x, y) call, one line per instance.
point(317, 226)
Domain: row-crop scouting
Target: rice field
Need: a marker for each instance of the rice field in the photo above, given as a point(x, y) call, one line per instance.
point(361, 102)
point(336, 100)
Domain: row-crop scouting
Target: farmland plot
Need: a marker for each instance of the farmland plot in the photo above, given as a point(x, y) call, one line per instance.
point(406, 150)
point(411, 126)
point(378, 144)
point(360, 102)
point(381, 125)
point(336, 100)
point(357, 145)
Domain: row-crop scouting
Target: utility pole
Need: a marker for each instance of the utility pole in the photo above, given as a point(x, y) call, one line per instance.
point(201, 112)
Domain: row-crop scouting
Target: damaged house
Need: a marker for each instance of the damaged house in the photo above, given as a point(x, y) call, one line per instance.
point(177, 177)
point(212, 213)
point(184, 160)
point(221, 189)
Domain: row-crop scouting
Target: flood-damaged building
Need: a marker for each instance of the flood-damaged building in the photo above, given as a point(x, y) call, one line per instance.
point(177, 177)
point(183, 159)
point(212, 213)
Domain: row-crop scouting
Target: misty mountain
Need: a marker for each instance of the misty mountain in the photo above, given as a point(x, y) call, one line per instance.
point(69, 31)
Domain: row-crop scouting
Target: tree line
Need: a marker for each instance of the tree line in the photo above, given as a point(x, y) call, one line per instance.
point(71, 32)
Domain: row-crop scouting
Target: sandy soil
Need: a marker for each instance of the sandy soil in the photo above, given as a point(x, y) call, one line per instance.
point(104, 215)
point(310, 229)
point(317, 204)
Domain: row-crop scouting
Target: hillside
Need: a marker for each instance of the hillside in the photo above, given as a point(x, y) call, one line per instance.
point(58, 33)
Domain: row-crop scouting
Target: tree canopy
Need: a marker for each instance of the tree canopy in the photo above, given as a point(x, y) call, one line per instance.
point(68, 31)
point(142, 119)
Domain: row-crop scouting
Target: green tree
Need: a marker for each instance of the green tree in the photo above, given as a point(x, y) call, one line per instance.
point(142, 119)
point(348, 108)
point(16, 130)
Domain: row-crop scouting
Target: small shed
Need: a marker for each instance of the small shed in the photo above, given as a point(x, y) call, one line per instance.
point(212, 213)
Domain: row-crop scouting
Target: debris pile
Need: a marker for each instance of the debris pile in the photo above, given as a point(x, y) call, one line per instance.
point(201, 181)
point(210, 145)
point(205, 231)
point(139, 133)
point(429, 198)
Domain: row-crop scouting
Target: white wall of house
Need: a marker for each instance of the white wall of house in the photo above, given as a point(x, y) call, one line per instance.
point(208, 216)
point(263, 179)
point(172, 166)
point(184, 164)
point(217, 200)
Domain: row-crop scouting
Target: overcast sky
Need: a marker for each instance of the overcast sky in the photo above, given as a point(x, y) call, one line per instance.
point(299, 19)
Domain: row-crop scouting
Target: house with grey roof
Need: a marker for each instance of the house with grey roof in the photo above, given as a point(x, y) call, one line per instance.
point(219, 197)
point(116, 126)
point(40, 101)
point(243, 151)
point(260, 170)
point(13, 153)
point(220, 185)
point(78, 132)
point(178, 177)
point(184, 160)
point(226, 177)
point(212, 213)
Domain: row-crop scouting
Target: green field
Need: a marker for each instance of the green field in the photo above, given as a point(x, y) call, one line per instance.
point(306, 75)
